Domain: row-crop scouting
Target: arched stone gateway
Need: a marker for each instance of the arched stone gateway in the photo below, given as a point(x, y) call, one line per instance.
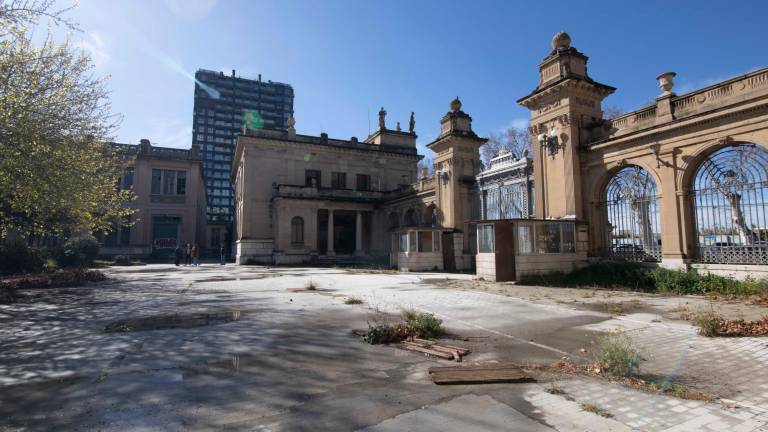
point(704, 153)
point(729, 195)
point(631, 208)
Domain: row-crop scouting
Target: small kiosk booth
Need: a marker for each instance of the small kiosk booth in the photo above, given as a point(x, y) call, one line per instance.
point(509, 249)
point(418, 249)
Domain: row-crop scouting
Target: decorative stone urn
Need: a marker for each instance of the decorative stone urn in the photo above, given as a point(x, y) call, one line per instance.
point(666, 82)
point(561, 41)
point(455, 105)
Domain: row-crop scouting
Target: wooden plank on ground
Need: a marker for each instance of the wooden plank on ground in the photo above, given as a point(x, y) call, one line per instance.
point(419, 348)
point(478, 375)
point(462, 351)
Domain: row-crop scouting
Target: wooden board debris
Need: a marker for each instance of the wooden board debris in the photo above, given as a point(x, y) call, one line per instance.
point(485, 374)
point(416, 347)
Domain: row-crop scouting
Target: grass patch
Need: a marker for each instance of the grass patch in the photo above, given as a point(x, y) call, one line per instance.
point(634, 276)
point(353, 301)
point(590, 407)
point(619, 356)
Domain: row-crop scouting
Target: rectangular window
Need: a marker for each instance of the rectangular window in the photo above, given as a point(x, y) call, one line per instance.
point(169, 181)
point(363, 182)
point(339, 180)
point(485, 238)
point(425, 241)
point(181, 182)
point(569, 240)
point(125, 232)
point(548, 238)
point(312, 178)
point(157, 176)
point(436, 241)
point(404, 242)
point(412, 241)
point(524, 241)
point(127, 178)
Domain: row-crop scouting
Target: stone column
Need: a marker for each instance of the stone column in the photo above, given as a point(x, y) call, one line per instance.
point(330, 233)
point(359, 234)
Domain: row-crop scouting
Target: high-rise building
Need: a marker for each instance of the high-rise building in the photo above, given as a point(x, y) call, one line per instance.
point(223, 103)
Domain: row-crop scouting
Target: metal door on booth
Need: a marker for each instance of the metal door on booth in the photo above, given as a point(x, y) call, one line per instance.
point(449, 259)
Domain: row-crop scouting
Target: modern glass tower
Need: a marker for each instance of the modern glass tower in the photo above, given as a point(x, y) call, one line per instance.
point(222, 104)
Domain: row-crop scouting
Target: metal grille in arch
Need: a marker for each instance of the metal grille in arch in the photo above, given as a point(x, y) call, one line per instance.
point(631, 203)
point(729, 197)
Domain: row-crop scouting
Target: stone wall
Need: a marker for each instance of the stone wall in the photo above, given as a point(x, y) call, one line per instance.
point(420, 261)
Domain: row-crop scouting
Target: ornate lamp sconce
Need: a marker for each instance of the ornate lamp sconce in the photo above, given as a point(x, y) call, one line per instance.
point(550, 142)
point(656, 149)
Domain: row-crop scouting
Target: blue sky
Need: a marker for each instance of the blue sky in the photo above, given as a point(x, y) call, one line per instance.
point(346, 58)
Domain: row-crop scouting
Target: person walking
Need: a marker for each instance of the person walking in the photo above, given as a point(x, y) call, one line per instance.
point(178, 254)
point(188, 255)
point(222, 254)
point(194, 254)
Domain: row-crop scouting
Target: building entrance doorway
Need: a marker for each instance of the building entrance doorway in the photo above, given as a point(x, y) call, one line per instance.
point(344, 232)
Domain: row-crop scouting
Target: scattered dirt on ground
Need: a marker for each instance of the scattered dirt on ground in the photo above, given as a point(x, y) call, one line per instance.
point(646, 384)
point(616, 302)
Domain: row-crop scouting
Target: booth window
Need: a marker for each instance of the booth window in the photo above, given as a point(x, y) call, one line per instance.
point(412, 241)
point(548, 238)
point(425, 241)
point(436, 241)
point(569, 242)
point(404, 242)
point(485, 238)
point(524, 240)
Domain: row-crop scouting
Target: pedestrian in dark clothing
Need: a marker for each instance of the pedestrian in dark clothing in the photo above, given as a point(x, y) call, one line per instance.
point(178, 254)
point(188, 255)
point(222, 254)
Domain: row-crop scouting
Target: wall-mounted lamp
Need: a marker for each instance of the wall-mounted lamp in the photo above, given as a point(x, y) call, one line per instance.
point(550, 142)
point(656, 149)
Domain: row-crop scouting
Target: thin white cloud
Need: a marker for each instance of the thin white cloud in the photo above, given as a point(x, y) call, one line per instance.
point(93, 44)
point(688, 86)
point(191, 10)
point(175, 133)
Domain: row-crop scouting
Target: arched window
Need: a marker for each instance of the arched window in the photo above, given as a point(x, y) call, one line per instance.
point(633, 231)
point(729, 197)
point(409, 219)
point(297, 231)
point(394, 220)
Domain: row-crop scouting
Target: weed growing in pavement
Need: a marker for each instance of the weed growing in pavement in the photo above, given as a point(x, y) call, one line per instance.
point(619, 356)
point(590, 407)
point(423, 325)
point(709, 323)
point(353, 301)
point(310, 286)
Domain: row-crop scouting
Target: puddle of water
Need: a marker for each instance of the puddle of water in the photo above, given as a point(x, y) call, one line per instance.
point(240, 278)
point(230, 364)
point(172, 321)
point(307, 290)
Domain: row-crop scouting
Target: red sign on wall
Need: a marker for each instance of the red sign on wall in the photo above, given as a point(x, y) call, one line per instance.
point(165, 243)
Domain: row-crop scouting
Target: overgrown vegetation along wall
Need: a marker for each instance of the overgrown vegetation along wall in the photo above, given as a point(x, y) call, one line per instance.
point(641, 278)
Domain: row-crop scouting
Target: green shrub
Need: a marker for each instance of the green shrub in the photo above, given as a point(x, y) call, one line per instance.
point(619, 356)
point(17, 257)
point(423, 325)
point(602, 275)
point(676, 281)
point(122, 260)
point(80, 252)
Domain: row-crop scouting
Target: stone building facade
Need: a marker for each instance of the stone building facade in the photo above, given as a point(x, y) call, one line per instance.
point(170, 204)
point(304, 199)
point(682, 182)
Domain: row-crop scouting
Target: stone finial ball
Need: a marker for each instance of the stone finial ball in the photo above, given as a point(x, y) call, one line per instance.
point(561, 41)
point(455, 104)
